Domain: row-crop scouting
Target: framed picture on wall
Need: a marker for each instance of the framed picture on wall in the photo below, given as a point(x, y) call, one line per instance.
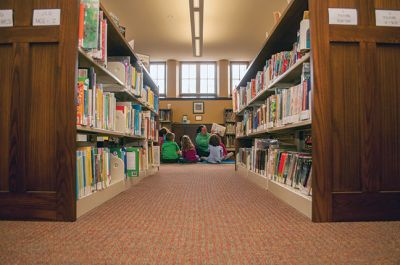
point(199, 117)
point(198, 107)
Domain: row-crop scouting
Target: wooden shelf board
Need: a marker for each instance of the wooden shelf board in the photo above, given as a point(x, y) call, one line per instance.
point(276, 130)
point(287, 79)
point(165, 121)
point(118, 46)
point(83, 129)
point(88, 203)
point(291, 76)
point(103, 75)
point(85, 204)
point(256, 178)
point(291, 196)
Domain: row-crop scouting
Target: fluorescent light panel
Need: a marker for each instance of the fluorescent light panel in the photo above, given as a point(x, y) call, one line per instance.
point(196, 24)
point(197, 47)
point(196, 17)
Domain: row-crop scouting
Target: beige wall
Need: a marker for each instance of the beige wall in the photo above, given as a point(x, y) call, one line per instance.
point(213, 110)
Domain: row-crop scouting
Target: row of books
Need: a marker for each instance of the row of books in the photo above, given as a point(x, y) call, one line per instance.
point(132, 79)
point(165, 115)
point(93, 40)
point(229, 116)
point(93, 170)
point(293, 169)
point(92, 32)
point(98, 168)
point(276, 66)
point(95, 108)
point(230, 141)
point(230, 128)
point(288, 106)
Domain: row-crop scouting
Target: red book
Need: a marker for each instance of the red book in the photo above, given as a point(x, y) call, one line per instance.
point(81, 23)
point(304, 103)
point(282, 164)
point(253, 88)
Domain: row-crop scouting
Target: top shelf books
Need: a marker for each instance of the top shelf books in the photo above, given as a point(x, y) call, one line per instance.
point(102, 46)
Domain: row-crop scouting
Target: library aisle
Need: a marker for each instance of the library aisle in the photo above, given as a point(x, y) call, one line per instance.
point(197, 214)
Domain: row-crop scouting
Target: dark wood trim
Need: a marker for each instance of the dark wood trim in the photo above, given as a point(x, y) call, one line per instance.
point(30, 34)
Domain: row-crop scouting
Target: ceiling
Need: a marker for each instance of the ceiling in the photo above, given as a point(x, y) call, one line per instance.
point(233, 29)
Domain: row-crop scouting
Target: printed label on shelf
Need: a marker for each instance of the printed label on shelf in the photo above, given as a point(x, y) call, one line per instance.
point(343, 16)
point(46, 17)
point(387, 18)
point(6, 18)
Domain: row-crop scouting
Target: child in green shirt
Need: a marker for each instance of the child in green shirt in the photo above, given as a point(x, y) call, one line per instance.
point(170, 151)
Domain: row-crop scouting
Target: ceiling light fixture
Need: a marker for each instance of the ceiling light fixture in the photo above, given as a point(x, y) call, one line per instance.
point(196, 19)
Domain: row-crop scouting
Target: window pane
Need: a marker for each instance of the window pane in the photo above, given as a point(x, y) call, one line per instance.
point(211, 71)
point(192, 86)
point(185, 86)
point(161, 84)
point(210, 86)
point(160, 71)
point(235, 71)
point(203, 86)
point(185, 71)
point(193, 71)
point(203, 71)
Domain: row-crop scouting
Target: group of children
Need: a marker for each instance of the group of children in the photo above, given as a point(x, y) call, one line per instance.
point(209, 147)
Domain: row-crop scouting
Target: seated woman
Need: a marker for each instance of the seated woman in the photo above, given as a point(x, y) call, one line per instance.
point(202, 140)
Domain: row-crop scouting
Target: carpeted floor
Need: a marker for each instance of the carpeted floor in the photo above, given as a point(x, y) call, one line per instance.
point(198, 214)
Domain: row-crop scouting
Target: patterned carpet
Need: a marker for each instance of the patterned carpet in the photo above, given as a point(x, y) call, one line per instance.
point(197, 214)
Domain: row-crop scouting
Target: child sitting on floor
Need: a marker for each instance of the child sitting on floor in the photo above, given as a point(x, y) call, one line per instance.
point(216, 151)
point(161, 135)
point(170, 150)
point(189, 154)
point(225, 152)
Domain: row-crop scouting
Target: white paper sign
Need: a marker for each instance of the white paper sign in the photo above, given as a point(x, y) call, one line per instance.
point(6, 18)
point(343, 16)
point(387, 18)
point(46, 17)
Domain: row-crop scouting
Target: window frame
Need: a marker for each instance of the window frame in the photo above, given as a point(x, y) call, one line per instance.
point(165, 77)
point(231, 75)
point(198, 79)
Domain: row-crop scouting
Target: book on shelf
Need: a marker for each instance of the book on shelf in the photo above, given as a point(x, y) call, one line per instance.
point(230, 141)
point(275, 66)
point(293, 169)
point(92, 31)
point(229, 115)
point(165, 115)
point(95, 108)
point(230, 128)
point(288, 106)
point(92, 170)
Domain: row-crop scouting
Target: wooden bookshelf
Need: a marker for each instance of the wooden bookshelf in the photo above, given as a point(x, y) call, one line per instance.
point(353, 80)
point(38, 130)
point(102, 132)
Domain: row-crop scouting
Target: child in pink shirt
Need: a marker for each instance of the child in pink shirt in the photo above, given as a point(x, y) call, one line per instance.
point(189, 153)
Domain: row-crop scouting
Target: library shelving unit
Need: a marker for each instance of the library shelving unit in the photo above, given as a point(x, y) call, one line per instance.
point(354, 112)
point(229, 123)
point(165, 118)
point(38, 128)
